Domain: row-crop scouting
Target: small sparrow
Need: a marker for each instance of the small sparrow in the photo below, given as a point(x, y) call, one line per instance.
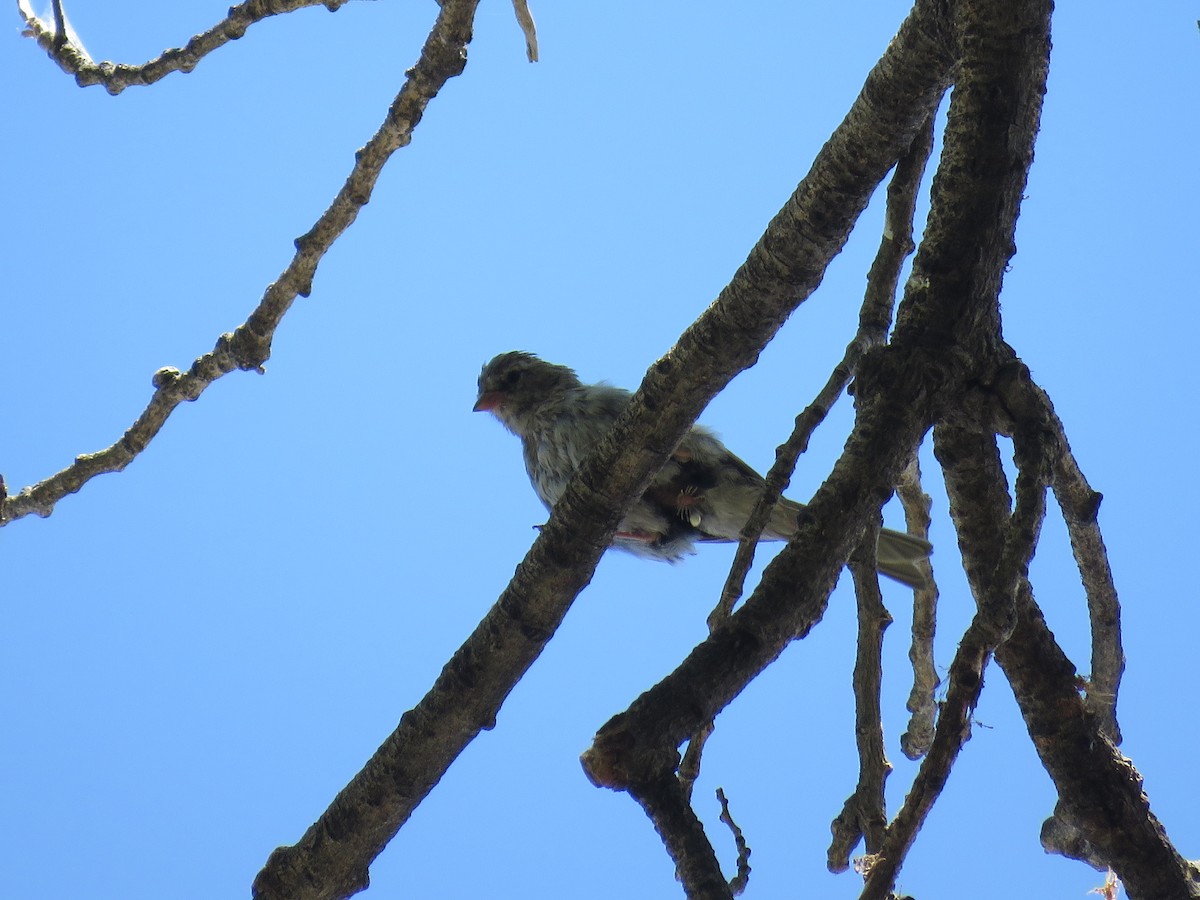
point(703, 493)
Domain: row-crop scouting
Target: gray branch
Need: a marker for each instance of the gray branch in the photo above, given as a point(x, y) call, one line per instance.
point(61, 44)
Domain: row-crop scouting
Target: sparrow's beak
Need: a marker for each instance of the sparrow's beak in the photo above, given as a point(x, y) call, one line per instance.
point(487, 401)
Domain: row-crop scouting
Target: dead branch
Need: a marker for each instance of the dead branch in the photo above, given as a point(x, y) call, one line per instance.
point(916, 739)
point(60, 43)
point(864, 815)
point(738, 883)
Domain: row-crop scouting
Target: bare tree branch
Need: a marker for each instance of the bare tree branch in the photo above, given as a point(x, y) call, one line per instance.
point(896, 245)
point(989, 144)
point(1100, 791)
point(864, 815)
point(631, 750)
point(57, 40)
point(249, 346)
point(528, 28)
point(738, 883)
point(901, 211)
point(1080, 505)
point(778, 477)
point(917, 737)
point(947, 365)
point(1102, 815)
point(60, 24)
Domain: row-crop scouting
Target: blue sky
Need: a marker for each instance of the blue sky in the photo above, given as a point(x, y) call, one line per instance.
point(200, 651)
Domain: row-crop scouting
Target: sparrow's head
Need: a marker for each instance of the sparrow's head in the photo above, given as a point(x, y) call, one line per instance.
point(515, 384)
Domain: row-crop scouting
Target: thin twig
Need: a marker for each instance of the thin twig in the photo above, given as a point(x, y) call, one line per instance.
point(60, 25)
point(864, 814)
point(738, 883)
point(896, 243)
point(689, 768)
point(778, 478)
point(922, 702)
point(953, 730)
point(528, 28)
point(55, 39)
point(993, 623)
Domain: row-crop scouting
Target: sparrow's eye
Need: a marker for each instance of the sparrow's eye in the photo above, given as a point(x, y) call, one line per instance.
point(510, 380)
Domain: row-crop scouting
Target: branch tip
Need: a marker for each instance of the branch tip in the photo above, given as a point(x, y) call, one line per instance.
point(528, 28)
point(738, 883)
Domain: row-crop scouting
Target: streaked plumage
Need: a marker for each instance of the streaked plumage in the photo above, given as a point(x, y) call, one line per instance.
point(703, 493)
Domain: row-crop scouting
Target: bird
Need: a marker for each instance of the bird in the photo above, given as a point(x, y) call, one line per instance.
point(703, 493)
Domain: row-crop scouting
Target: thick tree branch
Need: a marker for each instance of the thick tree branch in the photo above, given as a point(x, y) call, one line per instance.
point(1100, 792)
point(249, 346)
point(59, 43)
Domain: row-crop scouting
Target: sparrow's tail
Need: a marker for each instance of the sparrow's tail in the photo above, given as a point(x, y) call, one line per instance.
point(902, 557)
